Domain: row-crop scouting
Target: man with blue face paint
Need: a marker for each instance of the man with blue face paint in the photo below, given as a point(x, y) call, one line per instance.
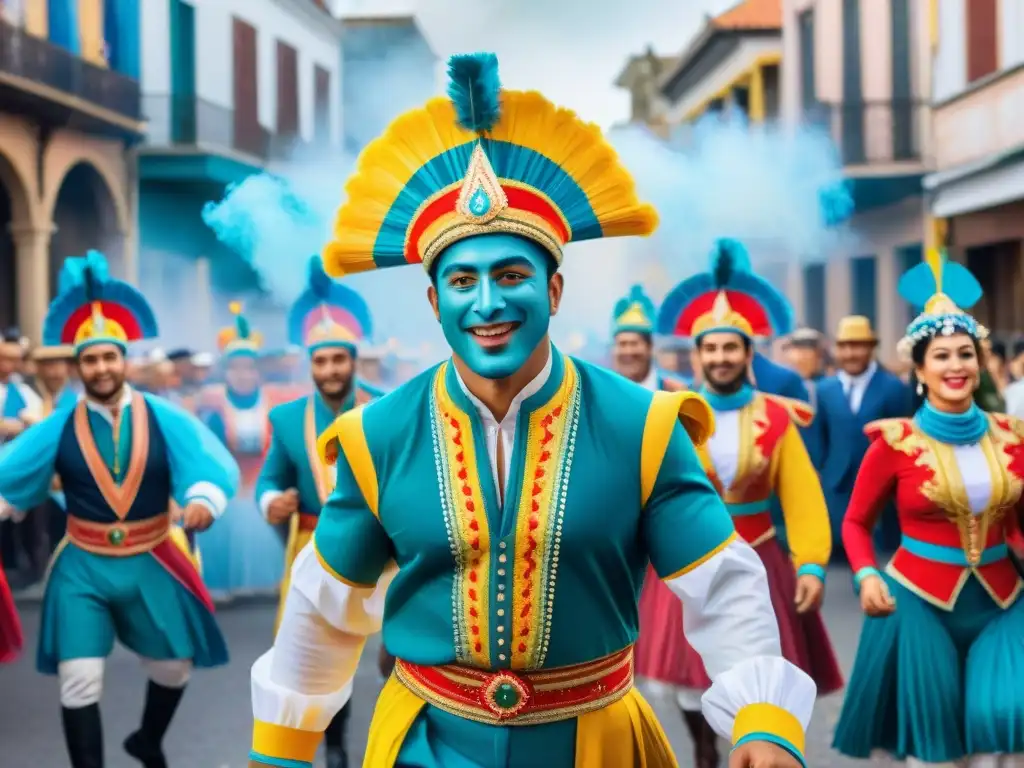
point(497, 513)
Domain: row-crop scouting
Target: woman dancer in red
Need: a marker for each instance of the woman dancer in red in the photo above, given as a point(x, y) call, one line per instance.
point(10, 624)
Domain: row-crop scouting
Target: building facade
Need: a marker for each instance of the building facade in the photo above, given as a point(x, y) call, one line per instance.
point(229, 87)
point(861, 70)
point(976, 193)
point(388, 67)
point(69, 112)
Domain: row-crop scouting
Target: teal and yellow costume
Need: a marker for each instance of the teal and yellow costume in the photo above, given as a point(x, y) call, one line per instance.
point(327, 315)
point(511, 606)
point(120, 572)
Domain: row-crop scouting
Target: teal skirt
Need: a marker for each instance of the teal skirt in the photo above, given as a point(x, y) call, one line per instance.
point(937, 685)
point(91, 600)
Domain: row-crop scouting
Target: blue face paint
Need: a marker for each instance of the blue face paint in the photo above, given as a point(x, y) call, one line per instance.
point(490, 281)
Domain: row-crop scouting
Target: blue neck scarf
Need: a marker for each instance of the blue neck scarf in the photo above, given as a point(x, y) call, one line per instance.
point(731, 402)
point(243, 402)
point(953, 428)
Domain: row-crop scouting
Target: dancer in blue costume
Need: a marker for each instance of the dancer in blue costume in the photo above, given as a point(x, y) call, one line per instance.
point(633, 343)
point(244, 555)
point(330, 320)
point(939, 669)
point(505, 503)
point(119, 574)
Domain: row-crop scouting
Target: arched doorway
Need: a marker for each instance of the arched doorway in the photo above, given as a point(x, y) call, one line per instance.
point(84, 218)
point(13, 210)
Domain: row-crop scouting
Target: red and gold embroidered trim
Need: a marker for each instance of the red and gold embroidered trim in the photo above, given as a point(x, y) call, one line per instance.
point(465, 517)
point(321, 475)
point(118, 539)
point(118, 497)
point(525, 698)
point(550, 444)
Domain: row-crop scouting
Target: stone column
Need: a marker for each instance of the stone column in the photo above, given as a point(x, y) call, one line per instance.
point(838, 291)
point(890, 309)
point(32, 262)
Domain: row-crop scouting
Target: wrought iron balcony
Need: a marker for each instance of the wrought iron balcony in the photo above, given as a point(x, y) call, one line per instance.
point(191, 121)
point(31, 66)
point(873, 132)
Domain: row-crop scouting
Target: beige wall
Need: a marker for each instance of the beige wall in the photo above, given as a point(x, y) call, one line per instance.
point(34, 193)
point(980, 123)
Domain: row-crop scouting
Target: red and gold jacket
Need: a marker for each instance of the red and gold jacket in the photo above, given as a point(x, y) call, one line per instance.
point(944, 541)
point(772, 459)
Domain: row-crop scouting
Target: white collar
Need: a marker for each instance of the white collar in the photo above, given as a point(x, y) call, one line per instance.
point(104, 410)
point(532, 388)
point(650, 381)
point(861, 378)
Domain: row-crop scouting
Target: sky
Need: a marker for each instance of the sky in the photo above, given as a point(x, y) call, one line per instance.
point(571, 50)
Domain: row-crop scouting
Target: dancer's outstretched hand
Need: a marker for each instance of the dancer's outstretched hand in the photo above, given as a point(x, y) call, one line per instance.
point(762, 754)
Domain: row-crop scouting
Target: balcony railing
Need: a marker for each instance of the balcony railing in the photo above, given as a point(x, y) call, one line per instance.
point(873, 132)
point(35, 59)
point(190, 121)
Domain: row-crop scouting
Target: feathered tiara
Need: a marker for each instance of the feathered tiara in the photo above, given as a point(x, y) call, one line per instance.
point(634, 312)
point(945, 290)
point(485, 160)
point(239, 338)
point(328, 313)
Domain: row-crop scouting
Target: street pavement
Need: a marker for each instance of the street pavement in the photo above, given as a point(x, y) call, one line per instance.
point(213, 728)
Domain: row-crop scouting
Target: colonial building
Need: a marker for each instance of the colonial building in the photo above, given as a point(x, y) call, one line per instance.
point(229, 87)
point(977, 189)
point(861, 71)
point(69, 110)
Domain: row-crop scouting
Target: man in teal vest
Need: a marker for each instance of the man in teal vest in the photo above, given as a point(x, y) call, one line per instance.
point(330, 320)
point(497, 512)
point(123, 570)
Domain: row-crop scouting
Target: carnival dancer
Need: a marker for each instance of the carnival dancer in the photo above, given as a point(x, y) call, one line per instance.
point(755, 452)
point(503, 490)
point(330, 320)
point(243, 555)
point(120, 456)
point(633, 343)
point(937, 676)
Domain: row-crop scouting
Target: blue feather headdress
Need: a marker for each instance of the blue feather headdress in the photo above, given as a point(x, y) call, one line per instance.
point(328, 314)
point(633, 313)
point(728, 297)
point(944, 289)
point(93, 308)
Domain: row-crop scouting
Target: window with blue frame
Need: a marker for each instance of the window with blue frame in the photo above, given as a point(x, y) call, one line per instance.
point(864, 291)
point(907, 257)
point(63, 24)
point(814, 297)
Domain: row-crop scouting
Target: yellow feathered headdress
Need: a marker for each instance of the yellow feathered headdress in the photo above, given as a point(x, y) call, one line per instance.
point(485, 160)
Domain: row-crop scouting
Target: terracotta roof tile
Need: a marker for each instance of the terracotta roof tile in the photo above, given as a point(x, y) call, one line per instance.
point(751, 14)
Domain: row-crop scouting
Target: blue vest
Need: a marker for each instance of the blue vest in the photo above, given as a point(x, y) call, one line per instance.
point(83, 495)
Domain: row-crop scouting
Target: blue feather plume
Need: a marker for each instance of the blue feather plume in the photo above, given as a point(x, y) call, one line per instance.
point(323, 290)
point(836, 201)
point(85, 279)
point(475, 90)
point(918, 284)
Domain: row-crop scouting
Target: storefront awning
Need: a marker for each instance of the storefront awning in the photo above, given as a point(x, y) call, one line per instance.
point(983, 185)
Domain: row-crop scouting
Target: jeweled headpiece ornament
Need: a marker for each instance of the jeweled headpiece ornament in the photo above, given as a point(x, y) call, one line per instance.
point(239, 340)
point(945, 289)
point(91, 308)
point(328, 314)
point(729, 297)
point(634, 312)
point(483, 161)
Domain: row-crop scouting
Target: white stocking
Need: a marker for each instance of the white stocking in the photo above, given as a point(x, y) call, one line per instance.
point(913, 762)
point(689, 699)
point(983, 761)
point(81, 682)
point(170, 673)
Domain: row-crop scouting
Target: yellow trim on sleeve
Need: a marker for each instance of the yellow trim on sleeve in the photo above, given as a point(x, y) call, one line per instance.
point(347, 433)
point(286, 743)
point(327, 567)
point(666, 408)
point(803, 504)
point(703, 559)
point(771, 719)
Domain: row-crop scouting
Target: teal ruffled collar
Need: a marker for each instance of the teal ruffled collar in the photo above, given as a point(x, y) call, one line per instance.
point(731, 402)
point(953, 428)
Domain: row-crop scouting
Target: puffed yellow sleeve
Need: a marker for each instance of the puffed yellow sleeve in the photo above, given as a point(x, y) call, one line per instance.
point(803, 504)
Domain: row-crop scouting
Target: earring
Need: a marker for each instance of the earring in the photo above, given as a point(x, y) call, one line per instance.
point(920, 389)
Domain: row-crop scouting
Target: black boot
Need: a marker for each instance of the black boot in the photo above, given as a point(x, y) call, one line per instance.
point(83, 734)
point(146, 744)
point(334, 739)
point(705, 742)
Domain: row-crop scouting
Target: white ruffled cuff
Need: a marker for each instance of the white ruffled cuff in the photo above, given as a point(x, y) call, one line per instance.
point(275, 704)
point(266, 498)
point(209, 495)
